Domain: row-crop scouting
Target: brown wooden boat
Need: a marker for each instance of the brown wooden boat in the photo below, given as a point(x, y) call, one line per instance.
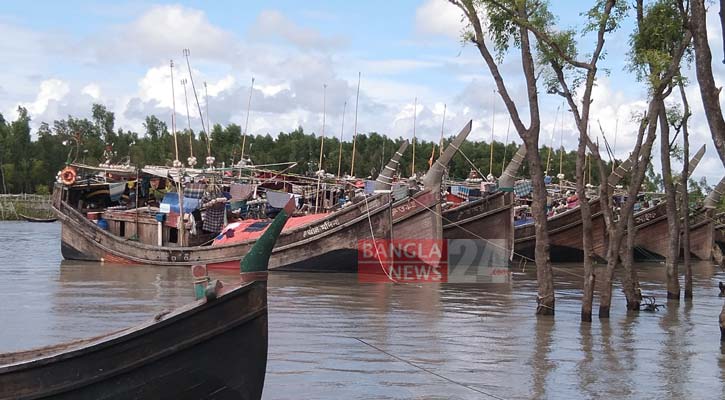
point(327, 243)
point(651, 239)
point(33, 219)
point(215, 348)
point(489, 218)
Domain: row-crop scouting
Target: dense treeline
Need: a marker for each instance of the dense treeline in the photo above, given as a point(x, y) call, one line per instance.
point(31, 165)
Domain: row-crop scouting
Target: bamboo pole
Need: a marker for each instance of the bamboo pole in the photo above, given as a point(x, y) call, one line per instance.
point(342, 130)
point(443, 123)
point(246, 122)
point(354, 129)
point(493, 122)
point(415, 111)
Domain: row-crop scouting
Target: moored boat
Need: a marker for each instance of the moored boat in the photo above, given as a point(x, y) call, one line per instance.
point(215, 347)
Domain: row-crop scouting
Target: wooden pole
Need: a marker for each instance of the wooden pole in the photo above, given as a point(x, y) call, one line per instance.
point(505, 147)
point(415, 111)
point(322, 145)
point(342, 129)
point(188, 121)
point(246, 122)
point(493, 122)
point(177, 163)
point(443, 123)
point(354, 129)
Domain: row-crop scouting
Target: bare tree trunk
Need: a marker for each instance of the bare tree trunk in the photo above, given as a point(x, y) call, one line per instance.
point(709, 91)
point(673, 223)
point(685, 207)
point(630, 281)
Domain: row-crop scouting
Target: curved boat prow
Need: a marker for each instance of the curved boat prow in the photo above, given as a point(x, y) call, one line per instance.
point(432, 180)
point(712, 199)
point(506, 183)
point(385, 179)
point(254, 265)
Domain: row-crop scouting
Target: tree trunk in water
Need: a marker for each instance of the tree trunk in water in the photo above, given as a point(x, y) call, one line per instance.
point(685, 207)
point(587, 240)
point(630, 281)
point(673, 223)
point(544, 274)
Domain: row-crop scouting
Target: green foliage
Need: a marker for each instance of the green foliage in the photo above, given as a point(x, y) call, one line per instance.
point(32, 165)
point(655, 41)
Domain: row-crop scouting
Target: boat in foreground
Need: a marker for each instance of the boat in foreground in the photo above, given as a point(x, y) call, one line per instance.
point(214, 348)
point(33, 219)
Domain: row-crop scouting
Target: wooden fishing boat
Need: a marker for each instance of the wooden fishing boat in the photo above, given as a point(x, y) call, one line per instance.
point(651, 239)
point(33, 219)
point(323, 242)
point(419, 216)
point(490, 218)
point(215, 348)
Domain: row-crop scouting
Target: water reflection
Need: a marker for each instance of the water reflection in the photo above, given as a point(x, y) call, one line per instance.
point(332, 337)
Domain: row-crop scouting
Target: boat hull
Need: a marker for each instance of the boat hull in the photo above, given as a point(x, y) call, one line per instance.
point(489, 219)
point(331, 242)
point(215, 349)
point(565, 236)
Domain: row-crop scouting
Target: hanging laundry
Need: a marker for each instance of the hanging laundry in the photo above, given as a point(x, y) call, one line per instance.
point(195, 190)
point(522, 188)
point(277, 199)
point(214, 218)
point(241, 191)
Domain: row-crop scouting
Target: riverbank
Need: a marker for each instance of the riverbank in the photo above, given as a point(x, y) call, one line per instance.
point(31, 205)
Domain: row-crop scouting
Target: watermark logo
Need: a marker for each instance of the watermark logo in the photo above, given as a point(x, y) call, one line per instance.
point(433, 261)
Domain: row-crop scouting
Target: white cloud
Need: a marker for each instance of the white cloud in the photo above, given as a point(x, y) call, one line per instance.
point(272, 23)
point(51, 89)
point(93, 90)
point(439, 18)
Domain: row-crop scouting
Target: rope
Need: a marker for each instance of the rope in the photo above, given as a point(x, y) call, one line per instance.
point(469, 387)
point(372, 235)
point(521, 256)
point(467, 159)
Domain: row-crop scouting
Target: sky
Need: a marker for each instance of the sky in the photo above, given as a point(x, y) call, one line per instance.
point(305, 58)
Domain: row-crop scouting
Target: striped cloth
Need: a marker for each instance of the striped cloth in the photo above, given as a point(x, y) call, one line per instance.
point(195, 190)
point(214, 218)
point(522, 188)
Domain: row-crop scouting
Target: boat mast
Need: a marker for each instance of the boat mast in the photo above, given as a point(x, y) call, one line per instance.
point(198, 106)
point(551, 139)
point(505, 147)
point(191, 160)
point(614, 160)
point(561, 150)
point(493, 122)
point(246, 122)
point(177, 164)
point(342, 129)
point(415, 111)
point(208, 124)
point(443, 124)
point(354, 129)
point(322, 146)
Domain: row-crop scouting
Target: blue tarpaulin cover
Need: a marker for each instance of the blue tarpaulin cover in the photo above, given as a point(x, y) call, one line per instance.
point(172, 199)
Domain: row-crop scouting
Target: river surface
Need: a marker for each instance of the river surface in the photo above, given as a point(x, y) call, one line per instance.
point(334, 338)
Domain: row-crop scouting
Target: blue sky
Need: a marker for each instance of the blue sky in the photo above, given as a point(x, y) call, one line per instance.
point(60, 57)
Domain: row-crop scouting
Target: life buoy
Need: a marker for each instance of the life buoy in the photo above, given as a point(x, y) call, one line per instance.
point(68, 176)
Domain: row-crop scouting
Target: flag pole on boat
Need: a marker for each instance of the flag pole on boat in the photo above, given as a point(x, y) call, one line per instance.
point(354, 129)
point(246, 122)
point(177, 164)
point(342, 129)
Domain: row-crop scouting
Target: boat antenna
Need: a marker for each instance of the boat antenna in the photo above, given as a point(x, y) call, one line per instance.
point(246, 122)
point(198, 105)
point(354, 129)
point(342, 129)
point(493, 122)
point(415, 112)
point(443, 124)
point(505, 147)
point(191, 160)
